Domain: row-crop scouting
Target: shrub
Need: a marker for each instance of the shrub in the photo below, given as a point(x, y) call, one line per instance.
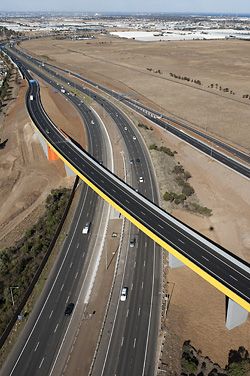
point(19, 263)
point(166, 151)
point(187, 189)
point(203, 210)
point(179, 199)
point(153, 147)
point(144, 126)
point(169, 196)
point(178, 169)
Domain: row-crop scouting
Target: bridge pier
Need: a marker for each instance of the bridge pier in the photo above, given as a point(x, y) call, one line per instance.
point(174, 262)
point(235, 314)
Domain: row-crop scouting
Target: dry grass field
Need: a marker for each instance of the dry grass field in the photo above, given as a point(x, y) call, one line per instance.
point(123, 65)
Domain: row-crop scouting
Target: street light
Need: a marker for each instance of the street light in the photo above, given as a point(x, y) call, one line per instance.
point(11, 293)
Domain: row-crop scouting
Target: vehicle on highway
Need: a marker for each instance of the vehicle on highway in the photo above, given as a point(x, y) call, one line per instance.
point(92, 122)
point(134, 138)
point(132, 243)
point(86, 228)
point(131, 161)
point(141, 179)
point(69, 309)
point(125, 128)
point(124, 294)
point(137, 160)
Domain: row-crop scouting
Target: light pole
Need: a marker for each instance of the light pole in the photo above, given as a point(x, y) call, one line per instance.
point(11, 293)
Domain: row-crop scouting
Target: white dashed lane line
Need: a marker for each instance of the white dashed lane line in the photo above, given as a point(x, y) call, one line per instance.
point(134, 343)
point(36, 346)
point(233, 277)
point(40, 365)
point(205, 258)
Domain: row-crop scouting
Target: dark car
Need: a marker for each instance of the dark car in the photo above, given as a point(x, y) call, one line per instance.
point(138, 160)
point(69, 309)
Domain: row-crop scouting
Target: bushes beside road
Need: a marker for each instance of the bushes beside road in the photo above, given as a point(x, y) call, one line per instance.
point(19, 263)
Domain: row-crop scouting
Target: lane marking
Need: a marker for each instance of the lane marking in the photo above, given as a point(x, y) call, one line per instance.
point(205, 258)
point(210, 278)
point(181, 241)
point(134, 264)
point(127, 313)
point(144, 264)
point(77, 245)
point(67, 299)
point(56, 328)
point(76, 275)
point(62, 286)
point(36, 346)
point(41, 363)
point(122, 341)
point(51, 313)
point(134, 343)
point(142, 284)
point(139, 311)
point(71, 265)
point(233, 277)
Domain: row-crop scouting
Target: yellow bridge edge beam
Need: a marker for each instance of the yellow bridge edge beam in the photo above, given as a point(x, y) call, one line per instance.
point(218, 285)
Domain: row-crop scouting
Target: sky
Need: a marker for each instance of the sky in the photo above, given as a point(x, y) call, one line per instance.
point(213, 6)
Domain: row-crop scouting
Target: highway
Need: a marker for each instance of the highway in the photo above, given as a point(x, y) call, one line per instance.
point(187, 242)
point(230, 274)
point(36, 350)
point(226, 268)
point(150, 312)
point(206, 147)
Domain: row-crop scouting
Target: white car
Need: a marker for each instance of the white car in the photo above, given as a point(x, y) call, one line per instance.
point(92, 122)
point(125, 128)
point(132, 243)
point(85, 229)
point(141, 179)
point(134, 138)
point(124, 294)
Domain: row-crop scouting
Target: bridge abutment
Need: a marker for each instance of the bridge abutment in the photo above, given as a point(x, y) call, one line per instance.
point(174, 262)
point(235, 314)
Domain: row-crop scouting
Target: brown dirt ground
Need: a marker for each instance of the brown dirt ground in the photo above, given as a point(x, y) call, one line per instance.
point(23, 162)
point(63, 113)
point(189, 316)
point(104, 58)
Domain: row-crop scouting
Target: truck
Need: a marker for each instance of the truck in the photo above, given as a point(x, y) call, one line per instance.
point(31, 97)
point(62, 90)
